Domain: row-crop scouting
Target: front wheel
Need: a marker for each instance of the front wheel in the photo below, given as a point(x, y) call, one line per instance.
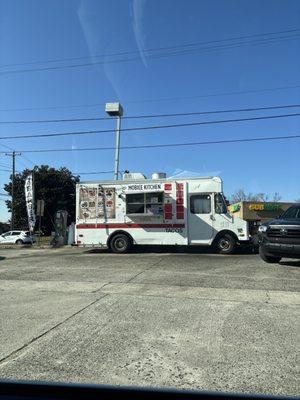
point(226, 244)
point(120, 244)
point(268, 258)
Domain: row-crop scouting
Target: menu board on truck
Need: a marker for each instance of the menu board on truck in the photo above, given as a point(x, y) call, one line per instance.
point(109, 203)
point(95, 203)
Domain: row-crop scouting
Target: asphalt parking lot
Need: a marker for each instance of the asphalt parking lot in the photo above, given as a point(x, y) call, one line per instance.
point(186, 320)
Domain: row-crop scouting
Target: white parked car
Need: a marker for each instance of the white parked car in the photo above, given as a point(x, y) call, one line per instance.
point(16, 237)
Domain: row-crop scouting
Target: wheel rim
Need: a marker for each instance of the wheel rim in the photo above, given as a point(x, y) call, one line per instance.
point(120, 244)
point(224, 244)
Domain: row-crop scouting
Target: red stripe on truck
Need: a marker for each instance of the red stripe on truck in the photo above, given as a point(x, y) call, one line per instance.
point(128, 226)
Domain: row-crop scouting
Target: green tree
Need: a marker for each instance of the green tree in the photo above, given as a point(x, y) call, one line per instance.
point(4, 227)
point(55, 186)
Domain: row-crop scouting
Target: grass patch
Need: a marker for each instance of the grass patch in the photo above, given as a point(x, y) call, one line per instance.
point(43, 241)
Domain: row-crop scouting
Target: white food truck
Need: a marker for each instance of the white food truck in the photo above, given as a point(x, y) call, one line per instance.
point(157, 211)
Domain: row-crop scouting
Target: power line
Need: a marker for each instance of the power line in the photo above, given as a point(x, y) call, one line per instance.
point(6, 147)
point(157, 99)
point(182, 52)
point(50, 107)
point(20, 162)
point(151, 49)
point(154, 115)
point(10, 171)
point(202, 96)
point(268, 138)
point(142, 128)
point(93, 173)
point(59, 120)
point(152, 56)
point(159, 49)
point(27, 159)
point(24, 165)
point(75, 173)
point(225, 47)
point(10, 148)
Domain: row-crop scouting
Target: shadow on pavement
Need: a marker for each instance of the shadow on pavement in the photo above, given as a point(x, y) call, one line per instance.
point(291, 263)
point(2, 258)
point(138, 249)
point(96, 250)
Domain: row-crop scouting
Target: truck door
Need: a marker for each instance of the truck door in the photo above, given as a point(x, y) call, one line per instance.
point(200, 223)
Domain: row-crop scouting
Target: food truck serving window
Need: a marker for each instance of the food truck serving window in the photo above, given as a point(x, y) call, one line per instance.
point(144, 203)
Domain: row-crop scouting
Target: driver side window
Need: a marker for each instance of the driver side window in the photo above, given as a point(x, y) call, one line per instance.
point(200, 204)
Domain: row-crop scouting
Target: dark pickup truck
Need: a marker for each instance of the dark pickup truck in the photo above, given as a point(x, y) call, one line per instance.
point(281, 237)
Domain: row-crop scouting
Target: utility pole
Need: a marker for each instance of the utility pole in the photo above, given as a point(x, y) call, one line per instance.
point(116, 110)
point(117, 152)
point(13, 155)
point(40, 205)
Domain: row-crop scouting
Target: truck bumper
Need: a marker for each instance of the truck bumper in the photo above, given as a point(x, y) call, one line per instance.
point(283, 249)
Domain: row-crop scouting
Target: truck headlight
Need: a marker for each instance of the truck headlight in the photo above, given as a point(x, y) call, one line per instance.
point(262, 228)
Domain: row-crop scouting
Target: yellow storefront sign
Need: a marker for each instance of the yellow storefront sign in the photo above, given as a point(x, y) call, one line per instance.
point(264, 207)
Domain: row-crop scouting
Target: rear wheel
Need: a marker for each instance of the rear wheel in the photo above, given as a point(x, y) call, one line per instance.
point(268, 258)
point(226, 244)
point(120, 243)
point(19, 242)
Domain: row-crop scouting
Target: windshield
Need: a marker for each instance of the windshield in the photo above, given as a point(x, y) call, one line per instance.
point(147, 149)
point(220, 204)
point(291, 213)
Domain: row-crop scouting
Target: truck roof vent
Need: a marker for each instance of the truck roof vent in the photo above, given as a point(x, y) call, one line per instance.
point(133, 176)
point(159, 175)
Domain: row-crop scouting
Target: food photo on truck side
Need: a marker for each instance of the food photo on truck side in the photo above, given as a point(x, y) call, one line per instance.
point(136, 210)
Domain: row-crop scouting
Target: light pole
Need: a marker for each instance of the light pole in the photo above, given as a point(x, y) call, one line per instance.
point(116, 110)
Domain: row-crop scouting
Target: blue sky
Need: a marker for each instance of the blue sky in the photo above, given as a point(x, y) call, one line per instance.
point(254, 75)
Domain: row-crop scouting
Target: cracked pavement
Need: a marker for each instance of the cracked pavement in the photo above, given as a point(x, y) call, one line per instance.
point(171, 319)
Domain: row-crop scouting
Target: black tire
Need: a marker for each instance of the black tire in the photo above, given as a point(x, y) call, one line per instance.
point(225, 244)
point(120, 244)
point(268, 258)
point(19, 242)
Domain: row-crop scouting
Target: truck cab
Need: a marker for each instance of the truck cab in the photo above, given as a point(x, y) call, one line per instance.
point(211, 223)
